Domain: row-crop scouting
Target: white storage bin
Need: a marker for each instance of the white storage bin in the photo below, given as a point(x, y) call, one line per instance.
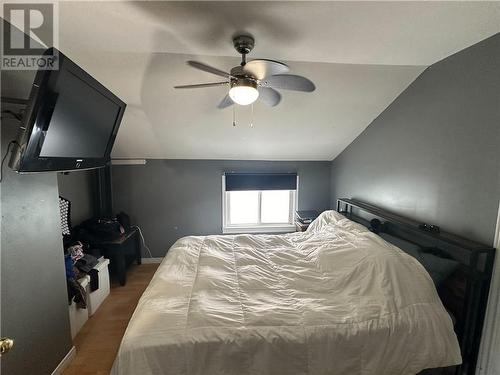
point(77, 316)
point(98, 296)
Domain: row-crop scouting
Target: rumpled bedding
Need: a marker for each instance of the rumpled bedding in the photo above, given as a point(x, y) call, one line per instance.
point(336, 299)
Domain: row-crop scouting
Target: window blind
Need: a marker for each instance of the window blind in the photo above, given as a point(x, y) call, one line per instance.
point(260, 181)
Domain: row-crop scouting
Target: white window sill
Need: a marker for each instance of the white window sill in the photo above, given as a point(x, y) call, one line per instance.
point(258, 229)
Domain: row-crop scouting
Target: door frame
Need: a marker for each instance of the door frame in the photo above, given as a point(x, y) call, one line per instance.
point(490, 341)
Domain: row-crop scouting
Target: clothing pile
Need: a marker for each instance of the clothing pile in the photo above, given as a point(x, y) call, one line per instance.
point(78, 265)
point(96, 230)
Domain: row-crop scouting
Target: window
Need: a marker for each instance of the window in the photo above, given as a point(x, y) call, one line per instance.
point(259, 209)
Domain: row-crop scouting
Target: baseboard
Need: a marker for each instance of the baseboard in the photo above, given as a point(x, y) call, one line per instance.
point(151, 260)
point(65, 362)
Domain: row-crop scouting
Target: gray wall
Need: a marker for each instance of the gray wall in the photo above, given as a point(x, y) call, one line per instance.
point(170, 199)
point(33, 285)
point(434, 153)
point(79, 188)
point(34, 303)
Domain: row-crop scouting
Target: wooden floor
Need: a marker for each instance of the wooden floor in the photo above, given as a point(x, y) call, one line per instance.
point(98, 341)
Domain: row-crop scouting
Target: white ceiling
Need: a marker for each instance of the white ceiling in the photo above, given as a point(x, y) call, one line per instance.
point(361, 56)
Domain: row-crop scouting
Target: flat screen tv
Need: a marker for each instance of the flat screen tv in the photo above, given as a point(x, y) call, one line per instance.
point(70, 122)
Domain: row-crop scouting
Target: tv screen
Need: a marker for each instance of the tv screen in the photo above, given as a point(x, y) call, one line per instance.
point(71, 122)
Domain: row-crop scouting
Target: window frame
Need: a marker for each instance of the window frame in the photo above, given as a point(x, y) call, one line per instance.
point(260, 227)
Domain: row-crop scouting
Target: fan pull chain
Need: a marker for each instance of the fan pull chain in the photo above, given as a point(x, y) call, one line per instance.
point(251, 119)
point(234, 114)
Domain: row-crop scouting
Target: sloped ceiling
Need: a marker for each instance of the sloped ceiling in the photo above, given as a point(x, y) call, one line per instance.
point(361, 55)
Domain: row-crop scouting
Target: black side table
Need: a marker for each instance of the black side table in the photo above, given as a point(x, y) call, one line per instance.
point(121, 252)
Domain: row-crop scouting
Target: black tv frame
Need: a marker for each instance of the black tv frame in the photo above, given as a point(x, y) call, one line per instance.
point(25, 156)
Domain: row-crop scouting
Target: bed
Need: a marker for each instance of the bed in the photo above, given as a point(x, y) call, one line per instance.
point(336, 299)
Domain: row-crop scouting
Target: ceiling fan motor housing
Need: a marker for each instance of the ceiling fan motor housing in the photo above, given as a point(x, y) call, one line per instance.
point(238, 73)
point(244, 81)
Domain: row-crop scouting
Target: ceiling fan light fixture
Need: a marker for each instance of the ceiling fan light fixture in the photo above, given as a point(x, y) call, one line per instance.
point(244, 92)
point(252, 80)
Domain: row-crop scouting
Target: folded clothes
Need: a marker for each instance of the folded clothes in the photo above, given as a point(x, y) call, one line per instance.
point(86, 263)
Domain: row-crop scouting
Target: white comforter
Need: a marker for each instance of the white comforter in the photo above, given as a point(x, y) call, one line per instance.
point(336, 299)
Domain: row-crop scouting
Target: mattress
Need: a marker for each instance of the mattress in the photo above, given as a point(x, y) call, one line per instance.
point(336, 299)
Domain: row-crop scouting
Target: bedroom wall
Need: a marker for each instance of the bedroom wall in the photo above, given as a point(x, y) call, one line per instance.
point(79, 188)
point(434, 153)
point(170, 199)
point(34, 302)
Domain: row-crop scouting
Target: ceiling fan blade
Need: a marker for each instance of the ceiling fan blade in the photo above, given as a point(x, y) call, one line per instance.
point(201, 85)
point(269, 96)
point(208, 68)
point(289, 82)
point(226, 102)
point(263, 68)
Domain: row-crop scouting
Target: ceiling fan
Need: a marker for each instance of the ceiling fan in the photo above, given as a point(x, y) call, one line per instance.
point(252, 80)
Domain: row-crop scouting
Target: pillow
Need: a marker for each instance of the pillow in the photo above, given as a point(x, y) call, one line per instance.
point(438, 268)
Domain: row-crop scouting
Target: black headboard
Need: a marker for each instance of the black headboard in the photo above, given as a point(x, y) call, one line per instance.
point(465, 293)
